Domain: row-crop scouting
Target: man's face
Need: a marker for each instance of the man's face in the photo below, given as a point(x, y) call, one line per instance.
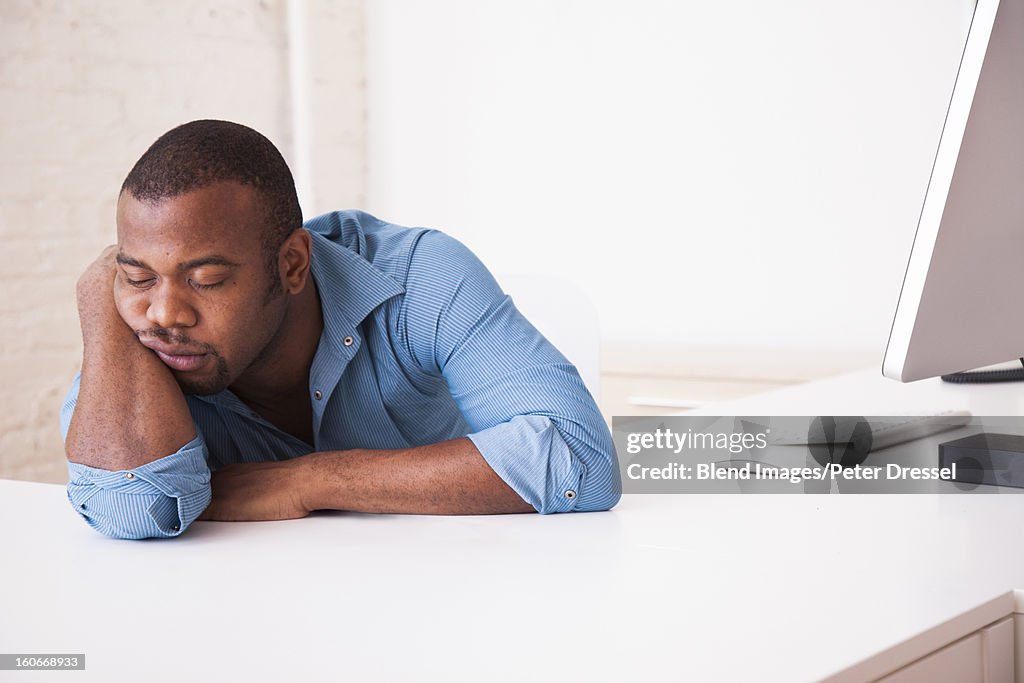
point(192, 282)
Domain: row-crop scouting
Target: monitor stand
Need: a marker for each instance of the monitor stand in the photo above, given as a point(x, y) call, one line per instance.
point(987, 376)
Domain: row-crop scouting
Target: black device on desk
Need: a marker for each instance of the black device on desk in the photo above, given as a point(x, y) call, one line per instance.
point(994, 459)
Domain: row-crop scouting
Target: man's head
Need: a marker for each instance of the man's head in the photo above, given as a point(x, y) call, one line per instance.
point(209, 250)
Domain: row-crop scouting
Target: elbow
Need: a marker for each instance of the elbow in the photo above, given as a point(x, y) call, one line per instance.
point(95, 510)
point(112, 527)
point(159, 499)
point(594, 485)
point(131, 515)
point(603, 485)
point(605, 499)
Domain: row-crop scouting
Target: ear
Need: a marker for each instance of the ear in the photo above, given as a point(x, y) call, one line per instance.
point(294, 259)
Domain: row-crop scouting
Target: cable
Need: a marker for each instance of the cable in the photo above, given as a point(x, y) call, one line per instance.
point(986, 376)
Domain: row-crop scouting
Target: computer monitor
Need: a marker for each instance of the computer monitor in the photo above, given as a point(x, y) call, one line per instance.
point(962, 302)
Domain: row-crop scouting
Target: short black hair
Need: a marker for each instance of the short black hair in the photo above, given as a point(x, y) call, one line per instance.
point(201, 153)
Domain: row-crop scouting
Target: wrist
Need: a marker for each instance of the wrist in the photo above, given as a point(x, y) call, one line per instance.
point(314, 492)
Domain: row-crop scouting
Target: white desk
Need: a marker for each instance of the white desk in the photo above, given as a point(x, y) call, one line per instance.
point(695, 588)
point(868, 393)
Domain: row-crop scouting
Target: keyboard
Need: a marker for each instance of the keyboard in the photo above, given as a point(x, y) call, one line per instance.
point(885, 431)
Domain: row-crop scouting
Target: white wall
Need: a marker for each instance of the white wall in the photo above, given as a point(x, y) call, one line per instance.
point(741, 173)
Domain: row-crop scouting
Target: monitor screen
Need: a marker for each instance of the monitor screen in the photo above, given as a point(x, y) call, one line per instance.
point(960, 305)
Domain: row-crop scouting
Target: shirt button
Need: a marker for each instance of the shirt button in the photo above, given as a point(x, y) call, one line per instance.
point(175, 528)
point(348, 341)
point(129, 475)
point(318, 394)
point(570, 494)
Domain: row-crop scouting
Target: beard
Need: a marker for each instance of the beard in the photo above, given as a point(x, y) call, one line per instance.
point(201, 386)
point(207, 386)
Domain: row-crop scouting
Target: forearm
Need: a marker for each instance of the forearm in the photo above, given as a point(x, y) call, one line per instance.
point(448, 478)
point(130, 410)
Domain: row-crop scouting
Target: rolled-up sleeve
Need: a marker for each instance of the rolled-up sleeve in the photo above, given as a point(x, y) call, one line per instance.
point(158, 499)
point(533, 420)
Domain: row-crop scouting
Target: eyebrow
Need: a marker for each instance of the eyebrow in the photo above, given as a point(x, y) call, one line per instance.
point(212, 260)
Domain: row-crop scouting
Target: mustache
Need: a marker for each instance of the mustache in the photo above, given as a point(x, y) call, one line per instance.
point(172, 339)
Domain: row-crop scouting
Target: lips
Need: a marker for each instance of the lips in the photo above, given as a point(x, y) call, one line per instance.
point(176, 358)
point(183, 362)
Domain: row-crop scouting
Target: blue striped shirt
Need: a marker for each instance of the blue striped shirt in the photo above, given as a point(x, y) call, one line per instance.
point(419, 345)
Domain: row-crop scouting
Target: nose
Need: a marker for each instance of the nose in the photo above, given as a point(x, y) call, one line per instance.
point(168, 309)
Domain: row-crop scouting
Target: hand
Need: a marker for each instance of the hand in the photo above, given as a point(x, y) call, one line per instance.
point(260, 491)
point(96, 292)
point(98, 278)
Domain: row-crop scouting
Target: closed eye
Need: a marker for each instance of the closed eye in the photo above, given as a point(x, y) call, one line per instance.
point(206, 286)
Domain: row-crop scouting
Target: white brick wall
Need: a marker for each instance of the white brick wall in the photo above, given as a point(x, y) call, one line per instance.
point(85, 87)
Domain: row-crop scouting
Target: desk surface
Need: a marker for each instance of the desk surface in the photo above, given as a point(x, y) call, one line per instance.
point(868, 393)
point(731, 588)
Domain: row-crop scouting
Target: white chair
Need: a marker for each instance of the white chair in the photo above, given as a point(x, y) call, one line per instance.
point(565, 315)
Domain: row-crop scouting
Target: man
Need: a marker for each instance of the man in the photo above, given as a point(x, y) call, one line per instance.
point(348, 364)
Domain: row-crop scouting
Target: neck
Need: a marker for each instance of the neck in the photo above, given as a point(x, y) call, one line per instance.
point(282, 368)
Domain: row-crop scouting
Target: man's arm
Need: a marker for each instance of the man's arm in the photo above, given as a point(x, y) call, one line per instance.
point(449, 478)
point(130, 411)
point(529, 412)
point(136, 464)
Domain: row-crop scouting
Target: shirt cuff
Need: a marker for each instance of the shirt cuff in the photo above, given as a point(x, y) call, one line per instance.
point(158, 499)
point(529, 454)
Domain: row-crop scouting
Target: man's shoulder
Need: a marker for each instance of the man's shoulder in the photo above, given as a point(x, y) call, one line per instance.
point(385, 245)
point(406, 255)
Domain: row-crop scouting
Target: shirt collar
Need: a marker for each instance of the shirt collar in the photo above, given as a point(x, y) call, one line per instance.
point(348, 285)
